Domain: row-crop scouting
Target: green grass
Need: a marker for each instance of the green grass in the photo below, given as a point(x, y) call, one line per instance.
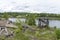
point(38, 34)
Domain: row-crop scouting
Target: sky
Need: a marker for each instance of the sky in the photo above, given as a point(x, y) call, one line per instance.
point(45, 6)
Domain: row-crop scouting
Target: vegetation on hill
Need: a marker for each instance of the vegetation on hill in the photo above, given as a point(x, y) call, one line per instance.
point(23, 14)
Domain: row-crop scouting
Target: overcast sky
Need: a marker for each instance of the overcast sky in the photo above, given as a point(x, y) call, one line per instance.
point(50, 6)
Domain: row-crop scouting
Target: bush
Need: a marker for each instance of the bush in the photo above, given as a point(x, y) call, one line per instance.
point(19, 35)
point(30, 19)
point(57, 33)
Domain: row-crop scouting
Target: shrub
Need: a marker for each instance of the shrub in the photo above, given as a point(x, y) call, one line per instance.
point(57, 33)
point(19, 35)
point(30, 19)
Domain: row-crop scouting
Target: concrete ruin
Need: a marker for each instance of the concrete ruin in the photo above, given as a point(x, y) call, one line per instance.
point(43, 22)
point(4, 24)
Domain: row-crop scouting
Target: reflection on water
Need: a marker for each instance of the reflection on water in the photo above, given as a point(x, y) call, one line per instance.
point(52, 23)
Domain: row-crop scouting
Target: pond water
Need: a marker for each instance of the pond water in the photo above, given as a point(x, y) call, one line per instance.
point(52, 23)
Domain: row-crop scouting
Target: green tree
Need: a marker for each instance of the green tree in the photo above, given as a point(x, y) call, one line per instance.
point(30, 19)
point(5, 15)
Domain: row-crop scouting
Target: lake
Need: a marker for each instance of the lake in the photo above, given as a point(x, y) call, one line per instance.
point(52, 23)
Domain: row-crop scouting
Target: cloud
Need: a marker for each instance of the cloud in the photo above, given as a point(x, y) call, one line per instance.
point(51, 6)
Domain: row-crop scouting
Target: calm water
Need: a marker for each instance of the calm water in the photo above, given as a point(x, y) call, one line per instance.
point(52, 23)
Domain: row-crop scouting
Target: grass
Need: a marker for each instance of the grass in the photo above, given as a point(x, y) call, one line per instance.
point(38, 34)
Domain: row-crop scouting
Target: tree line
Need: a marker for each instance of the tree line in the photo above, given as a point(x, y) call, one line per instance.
point(24, 14)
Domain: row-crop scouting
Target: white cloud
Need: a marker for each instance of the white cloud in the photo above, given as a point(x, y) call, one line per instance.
point(30, 5)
